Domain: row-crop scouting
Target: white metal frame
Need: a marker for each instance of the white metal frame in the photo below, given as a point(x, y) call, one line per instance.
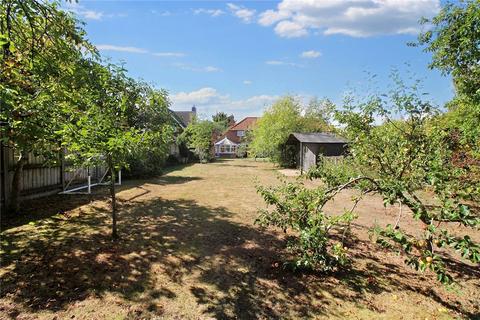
point(89, 183)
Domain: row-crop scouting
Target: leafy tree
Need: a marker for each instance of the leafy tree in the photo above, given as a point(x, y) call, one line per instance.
point(149, 113)
point(454, 41)
point(399, 160)
point(223, 120)
point(101, 132)
point(199, 136)
point(284, 117)
point(39, 46)
point(318, 115)
point(273, 128)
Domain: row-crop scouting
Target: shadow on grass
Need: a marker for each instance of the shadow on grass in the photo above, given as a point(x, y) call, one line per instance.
point(232, 265)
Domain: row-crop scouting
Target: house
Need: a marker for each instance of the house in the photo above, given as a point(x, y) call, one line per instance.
point(308, 146)
point(181, 119)
point(228, 144)
point(186, 117)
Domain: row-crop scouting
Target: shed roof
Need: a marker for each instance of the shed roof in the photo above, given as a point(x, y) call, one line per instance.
point(317, 137)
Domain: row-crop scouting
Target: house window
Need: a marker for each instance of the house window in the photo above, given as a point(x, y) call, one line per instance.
point(240, 133)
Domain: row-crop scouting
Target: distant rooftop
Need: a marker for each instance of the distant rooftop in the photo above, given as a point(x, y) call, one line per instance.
point(245, 124)
point(186, 117)
point(316, 137)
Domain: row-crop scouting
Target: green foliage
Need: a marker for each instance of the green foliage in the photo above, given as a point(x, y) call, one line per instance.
point(223, 120)
point(40, 47)
point(199, 136)
point(300, 210)
point(454, 41)
point(401, 160)
point(284, 117)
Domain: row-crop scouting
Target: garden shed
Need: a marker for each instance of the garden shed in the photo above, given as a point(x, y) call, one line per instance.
point(309, 145)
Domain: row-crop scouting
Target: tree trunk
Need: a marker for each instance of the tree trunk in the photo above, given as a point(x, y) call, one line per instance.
point(14, 206)
point(114, 203)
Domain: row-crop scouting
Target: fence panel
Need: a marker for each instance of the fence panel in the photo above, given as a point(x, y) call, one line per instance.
point(39, 178)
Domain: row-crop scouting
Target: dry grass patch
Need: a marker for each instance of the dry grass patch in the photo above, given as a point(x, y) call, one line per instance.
point(189, 249)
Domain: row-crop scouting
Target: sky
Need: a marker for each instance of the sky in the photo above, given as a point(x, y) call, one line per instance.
point(240, 56)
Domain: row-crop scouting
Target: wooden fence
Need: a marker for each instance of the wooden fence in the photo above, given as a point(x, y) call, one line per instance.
point(39, 179)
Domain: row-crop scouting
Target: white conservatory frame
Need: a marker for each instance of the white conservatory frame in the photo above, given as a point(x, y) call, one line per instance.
point(225, 146)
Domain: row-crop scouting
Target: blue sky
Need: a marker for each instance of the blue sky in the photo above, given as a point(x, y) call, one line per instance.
point(239, 56)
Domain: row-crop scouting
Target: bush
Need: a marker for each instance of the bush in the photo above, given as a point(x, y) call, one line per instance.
point(145, 164)
point(299, 209)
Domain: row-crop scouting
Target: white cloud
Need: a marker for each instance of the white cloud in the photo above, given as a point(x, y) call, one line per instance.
point(290, 29)
point(89, 14)
point(169, 54)
point(311, 54)
point(92, 15)
point(210, 12)
point(283, 63)
point(130, 49)
point(246, 15)
point(269, 17)
point(188, 67)
point(247, 82)
point(109, 47)
point(356, 18)
point(164, 13)
point(208, 101)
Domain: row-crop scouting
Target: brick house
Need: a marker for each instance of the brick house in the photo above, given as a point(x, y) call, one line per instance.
point(228, 144)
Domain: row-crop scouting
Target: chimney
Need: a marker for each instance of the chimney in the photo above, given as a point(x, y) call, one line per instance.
point(194, 109)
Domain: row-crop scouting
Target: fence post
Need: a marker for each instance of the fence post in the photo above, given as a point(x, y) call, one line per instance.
point(120, 177)
point(62, 168)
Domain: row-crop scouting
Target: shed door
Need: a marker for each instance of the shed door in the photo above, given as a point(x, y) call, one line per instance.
point(309, 158)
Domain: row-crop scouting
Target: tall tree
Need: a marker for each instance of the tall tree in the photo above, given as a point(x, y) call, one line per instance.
point(102, 132)
point(273, 128)
point(199, 136)
point(39, 45)
point(285, 116)
point(223, 120)
point(454, 41)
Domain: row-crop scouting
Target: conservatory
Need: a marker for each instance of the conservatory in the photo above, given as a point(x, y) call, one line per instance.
point(225, 148)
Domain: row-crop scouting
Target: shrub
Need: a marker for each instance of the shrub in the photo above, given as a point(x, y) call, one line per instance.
point(145, 164)
point(313, 242)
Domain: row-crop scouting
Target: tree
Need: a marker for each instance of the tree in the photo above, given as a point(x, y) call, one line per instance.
point(198, 135)
point(398, 160)
point(149, 113)
point(284, 117)
point(39, 46)
point(223, 120)
point(454, 41)
point(273, 128)
point(317, 116)
point(401, 158)
point(102, 131)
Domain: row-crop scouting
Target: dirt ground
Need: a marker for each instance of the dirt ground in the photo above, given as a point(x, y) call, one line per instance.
point(189, 249)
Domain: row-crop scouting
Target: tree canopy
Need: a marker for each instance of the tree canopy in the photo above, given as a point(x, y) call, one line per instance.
point(285, 116)
point(56, 94)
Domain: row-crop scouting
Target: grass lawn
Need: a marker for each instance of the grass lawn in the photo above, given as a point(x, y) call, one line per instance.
point(189, 249)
